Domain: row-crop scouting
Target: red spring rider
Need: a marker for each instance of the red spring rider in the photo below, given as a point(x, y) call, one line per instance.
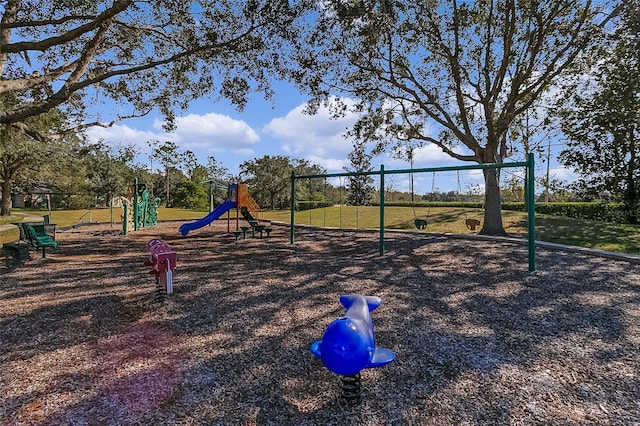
point(162, 261)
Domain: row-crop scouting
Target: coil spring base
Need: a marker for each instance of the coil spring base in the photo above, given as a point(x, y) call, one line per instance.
point(350, 389)
point(158, 294)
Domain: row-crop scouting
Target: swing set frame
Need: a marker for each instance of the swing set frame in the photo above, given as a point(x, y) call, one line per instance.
point(528, 165)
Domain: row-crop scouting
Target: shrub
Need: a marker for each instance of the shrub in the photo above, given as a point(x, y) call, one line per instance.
point(602, 212)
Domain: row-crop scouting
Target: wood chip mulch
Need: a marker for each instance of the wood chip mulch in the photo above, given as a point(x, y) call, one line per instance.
point(479, 340)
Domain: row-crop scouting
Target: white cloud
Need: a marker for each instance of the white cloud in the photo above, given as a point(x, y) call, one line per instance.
point(427, 156)
point(321, 139)
point(212, 132)
point(562, 174)
point(332, 165)
point(317, 138)
point(123, 135)
point(432, 156)
point(243, 151)
point(203, 134)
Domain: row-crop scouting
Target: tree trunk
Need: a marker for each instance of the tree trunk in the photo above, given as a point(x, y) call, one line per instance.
point(5, 209)
point(492, 224)
point(166, 203)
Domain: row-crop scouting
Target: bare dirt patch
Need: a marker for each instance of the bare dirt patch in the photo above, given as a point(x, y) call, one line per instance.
point(479, 340)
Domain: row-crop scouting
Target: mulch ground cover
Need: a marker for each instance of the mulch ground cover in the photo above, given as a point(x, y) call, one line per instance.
point(479, 340)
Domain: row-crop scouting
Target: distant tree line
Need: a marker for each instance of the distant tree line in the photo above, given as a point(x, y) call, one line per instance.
point(83, 175)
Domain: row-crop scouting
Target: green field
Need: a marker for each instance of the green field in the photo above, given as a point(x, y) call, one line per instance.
point(440, 219)
point(584, 233)
point(64, 218)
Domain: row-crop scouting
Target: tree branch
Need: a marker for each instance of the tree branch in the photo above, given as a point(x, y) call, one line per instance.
point(48, 22)
point(26, 129)
point(422, 137)
point(42, 45)
point(83, 126)
point(36, 80)
point(10, 12)
point(73, 84)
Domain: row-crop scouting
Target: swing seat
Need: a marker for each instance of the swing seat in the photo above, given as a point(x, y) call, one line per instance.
point(472, 224)
point(420, 223)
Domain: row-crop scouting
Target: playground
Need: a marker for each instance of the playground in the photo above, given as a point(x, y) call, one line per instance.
point(478, 338)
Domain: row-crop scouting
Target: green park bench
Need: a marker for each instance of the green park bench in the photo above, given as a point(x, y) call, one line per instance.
point(38, 240)
point(41, 228)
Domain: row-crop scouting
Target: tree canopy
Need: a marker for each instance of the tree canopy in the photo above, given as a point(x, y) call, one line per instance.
point(601, 119)
point(140, 54)
point(26, 162)
point(360, 186)
point(108, 173)
point(451, 73)
point(269, 179)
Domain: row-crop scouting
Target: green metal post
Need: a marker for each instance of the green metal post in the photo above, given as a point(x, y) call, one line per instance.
point(125, 220)
point(135, 204)
point(531, 214)
point(293, 205)
point(111, 211)
point(526, 186)
point(381, 210)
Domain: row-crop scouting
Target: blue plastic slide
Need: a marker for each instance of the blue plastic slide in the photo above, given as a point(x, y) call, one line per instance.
point(216, 213)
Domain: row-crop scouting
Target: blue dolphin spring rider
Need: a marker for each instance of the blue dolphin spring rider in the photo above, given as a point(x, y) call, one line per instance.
point(348, 345)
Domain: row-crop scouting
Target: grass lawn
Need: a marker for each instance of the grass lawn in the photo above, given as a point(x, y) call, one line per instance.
point(64, 218)
point(587, 233)
point(440, 219)
point(584, 233)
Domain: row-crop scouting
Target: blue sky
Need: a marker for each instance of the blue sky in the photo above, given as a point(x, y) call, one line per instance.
point(278, 127)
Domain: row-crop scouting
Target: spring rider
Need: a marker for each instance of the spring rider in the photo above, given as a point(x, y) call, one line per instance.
point(162, 261)
point(348, 345)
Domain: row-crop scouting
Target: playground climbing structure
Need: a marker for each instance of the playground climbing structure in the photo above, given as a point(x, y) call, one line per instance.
point(138, 209)
point(238, 198)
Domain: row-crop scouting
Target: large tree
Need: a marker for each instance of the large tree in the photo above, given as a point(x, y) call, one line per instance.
point(170, 157)
point(190, 192)
point(313, 190)
point(602, 120)
point(453, 73)
point(27, 162)
point(108, 170)
point(268, 178)
point(140, 54)
point(360, 186)
point(218, 179)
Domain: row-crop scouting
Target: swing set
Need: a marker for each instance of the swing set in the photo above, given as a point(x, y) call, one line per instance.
point(313, 204)
point(529, 201)
point(471, 223)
